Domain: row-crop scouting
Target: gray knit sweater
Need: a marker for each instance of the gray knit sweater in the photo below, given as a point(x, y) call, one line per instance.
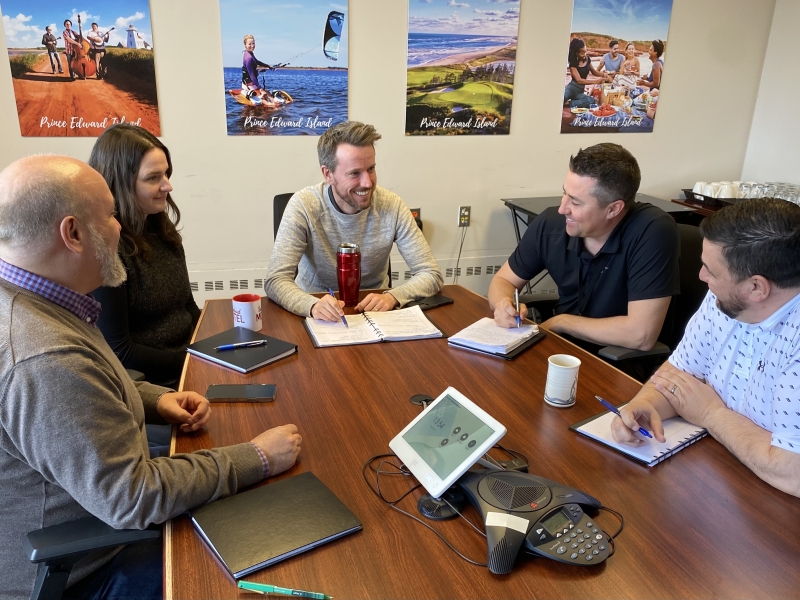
point(312, 229)
point(72, 438)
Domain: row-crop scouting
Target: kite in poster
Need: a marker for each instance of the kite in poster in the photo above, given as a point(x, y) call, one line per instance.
point(615, 65)
point(302, 88)
point(461, 59)
point(77, 72)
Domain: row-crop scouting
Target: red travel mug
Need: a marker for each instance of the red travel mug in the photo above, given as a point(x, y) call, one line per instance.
point(348, 271)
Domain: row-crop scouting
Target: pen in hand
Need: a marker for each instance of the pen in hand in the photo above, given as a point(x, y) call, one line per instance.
point(613, 409)
point(516, 301)
point(330, 291)
point(241, 345)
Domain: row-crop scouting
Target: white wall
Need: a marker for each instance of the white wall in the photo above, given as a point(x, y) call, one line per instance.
point(773, 152)
point(224, 185)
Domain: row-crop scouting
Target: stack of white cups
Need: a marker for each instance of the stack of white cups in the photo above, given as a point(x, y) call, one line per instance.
point(562, 380)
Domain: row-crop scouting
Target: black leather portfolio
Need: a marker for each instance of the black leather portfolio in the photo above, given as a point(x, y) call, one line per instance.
point(243, 360)
point(263, 526)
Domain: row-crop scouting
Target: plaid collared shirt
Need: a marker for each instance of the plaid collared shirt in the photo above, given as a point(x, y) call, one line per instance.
point(84, 307)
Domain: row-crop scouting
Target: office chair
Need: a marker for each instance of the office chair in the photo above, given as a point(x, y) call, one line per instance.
point(58, 547)
point(682, 306)
point(279, 203)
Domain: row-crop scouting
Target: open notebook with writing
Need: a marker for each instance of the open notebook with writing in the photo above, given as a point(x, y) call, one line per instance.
point(679, 433)
point(489, 338)
point(372, 327)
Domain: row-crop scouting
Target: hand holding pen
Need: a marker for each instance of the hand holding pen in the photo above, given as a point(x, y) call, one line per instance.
point(614, 409)
point(330, 291)
point(516, 303)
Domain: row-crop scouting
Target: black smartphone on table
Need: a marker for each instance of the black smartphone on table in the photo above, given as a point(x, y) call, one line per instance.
point(430, 302)
point(249, 392)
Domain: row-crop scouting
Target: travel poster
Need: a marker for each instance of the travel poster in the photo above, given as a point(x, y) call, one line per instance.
point(615, 66)
point(104, 73)
point(285, 66)
point(461, 58)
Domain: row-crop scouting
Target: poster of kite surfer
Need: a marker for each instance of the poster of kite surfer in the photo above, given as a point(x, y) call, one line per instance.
point(78, 70)
point(461, 59)
point(615, 66)
point(285, 66)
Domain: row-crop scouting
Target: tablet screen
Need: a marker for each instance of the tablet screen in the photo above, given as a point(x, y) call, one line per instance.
point(446, 435)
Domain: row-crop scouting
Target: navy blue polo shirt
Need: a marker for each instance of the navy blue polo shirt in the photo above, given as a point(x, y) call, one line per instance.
point(639, 261)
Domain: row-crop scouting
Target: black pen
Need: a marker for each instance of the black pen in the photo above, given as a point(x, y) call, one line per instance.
point(241, 345)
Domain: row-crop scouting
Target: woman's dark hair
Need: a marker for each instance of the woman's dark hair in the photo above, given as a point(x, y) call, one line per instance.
point(67, 21)
point(758, 237)
point(574, 46)
point(658, 46)
point(117, 156)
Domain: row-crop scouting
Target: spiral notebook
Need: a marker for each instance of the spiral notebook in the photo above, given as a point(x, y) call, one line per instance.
point(373, 327)
point(679, 433)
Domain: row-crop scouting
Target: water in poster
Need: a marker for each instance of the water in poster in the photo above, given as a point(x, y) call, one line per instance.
point(285, 66)
point(615, 66)
point(460, 67)
point(78, 69)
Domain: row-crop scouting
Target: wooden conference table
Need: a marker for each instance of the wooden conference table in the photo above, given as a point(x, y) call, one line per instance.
point(698, 525)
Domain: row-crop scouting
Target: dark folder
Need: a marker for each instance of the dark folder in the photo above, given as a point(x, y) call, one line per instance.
point(271, 523)
point(243, 360)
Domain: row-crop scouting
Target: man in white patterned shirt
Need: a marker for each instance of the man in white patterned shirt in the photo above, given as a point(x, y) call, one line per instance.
point(736, 371)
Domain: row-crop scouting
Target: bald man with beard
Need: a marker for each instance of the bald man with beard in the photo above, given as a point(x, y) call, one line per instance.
point(72, 423)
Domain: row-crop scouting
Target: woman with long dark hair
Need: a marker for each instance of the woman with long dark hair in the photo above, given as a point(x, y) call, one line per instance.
point(147, 321)
point(583, 73)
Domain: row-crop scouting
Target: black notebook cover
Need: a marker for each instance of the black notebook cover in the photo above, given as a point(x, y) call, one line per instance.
point(271, 523)
point(510, 355)
point(243, 360)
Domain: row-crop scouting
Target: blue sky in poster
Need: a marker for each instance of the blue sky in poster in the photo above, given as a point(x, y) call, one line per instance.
point(625, 19)
point(283, 29)
point(24, 20)
point(495, 17)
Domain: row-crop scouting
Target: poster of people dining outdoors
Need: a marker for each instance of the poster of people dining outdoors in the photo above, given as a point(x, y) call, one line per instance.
point(284, 66)
point(78, 71)
point(461, 58)
point(615, 65)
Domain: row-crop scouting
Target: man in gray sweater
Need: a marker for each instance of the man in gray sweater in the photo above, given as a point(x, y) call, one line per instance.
point(348, 207)
point(72, 433)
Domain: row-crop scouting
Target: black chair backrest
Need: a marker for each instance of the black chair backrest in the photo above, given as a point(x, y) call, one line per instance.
point(693, 290)
point(278, 207)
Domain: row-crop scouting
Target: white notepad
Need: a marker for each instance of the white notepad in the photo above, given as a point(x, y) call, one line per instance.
point(679, 433)
point(487, 336)
point(372, 327)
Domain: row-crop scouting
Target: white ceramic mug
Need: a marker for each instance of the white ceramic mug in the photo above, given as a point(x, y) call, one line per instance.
point(699, 187)
point(247, 311)
point(562, 380)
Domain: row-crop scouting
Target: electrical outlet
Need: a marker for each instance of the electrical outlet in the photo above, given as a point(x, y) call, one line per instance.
point(463, 215)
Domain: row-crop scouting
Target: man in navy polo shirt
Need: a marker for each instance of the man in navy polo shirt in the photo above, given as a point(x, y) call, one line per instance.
point(614, 260)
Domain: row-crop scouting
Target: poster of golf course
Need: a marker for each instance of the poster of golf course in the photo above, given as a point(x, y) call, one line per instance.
point(461, 59)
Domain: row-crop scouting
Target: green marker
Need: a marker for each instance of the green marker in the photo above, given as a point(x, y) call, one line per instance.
point(274, 589)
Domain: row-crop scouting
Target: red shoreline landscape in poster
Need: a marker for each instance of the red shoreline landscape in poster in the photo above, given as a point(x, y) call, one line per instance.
point(108, 78)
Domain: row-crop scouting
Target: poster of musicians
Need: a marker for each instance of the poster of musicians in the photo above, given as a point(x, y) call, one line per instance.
point(77, 72)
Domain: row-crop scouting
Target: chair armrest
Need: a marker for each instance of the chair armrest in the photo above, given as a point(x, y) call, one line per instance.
point(79, 537)
point(135, 375)
point(619, 353)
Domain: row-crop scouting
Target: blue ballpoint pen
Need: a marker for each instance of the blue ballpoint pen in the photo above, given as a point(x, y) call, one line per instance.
point(330, 291)
point(241, 345)
point(614, 410)
point(516, 301)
